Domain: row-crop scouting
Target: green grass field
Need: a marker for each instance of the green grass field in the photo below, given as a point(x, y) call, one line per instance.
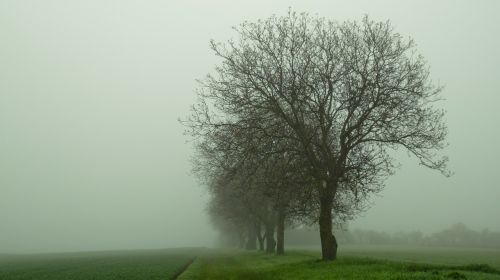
point(134, 265)
point(355, 262)
point(433, 255)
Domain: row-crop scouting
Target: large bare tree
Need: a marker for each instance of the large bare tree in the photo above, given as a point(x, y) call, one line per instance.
point(347, 94)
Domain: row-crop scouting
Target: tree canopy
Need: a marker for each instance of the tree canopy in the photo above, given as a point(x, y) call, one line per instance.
point(333, 98)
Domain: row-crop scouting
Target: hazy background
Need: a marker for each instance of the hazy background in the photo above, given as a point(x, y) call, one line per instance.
point(91, 153)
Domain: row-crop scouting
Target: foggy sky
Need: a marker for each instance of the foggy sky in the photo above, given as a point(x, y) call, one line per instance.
point(92, 156)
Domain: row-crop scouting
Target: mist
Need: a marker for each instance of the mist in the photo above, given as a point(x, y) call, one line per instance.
point(92, 156)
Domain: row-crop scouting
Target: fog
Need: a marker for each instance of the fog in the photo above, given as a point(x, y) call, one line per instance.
point(92, 156)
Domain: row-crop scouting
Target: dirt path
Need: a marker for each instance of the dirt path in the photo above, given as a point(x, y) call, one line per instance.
point(183, 269)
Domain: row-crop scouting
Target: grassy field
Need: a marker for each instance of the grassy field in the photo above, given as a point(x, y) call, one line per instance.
point(134, 265)
point(352, 264)
point(434, 255)
point(355, 262)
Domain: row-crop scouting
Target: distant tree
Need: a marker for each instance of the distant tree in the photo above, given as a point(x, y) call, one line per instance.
point(346, 94)
point(261, 183)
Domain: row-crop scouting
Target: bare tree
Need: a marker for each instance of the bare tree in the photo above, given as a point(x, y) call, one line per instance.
point(346, 93)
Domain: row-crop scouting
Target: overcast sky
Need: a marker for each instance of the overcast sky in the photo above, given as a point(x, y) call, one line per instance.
point(91, 153)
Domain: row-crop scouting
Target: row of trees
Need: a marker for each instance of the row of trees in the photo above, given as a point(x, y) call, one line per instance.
point(298, 122)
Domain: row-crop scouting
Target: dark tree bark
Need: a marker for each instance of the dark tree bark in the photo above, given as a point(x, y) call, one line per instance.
point(280, 232)
point(328, 241)
point(252, 237)
point(260, 238)
point(241, 239)
point(270, 242)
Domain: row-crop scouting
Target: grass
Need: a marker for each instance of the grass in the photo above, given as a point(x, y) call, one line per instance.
point(355, 262)
point(434, 255)
point(133, 265)
point(305, 265)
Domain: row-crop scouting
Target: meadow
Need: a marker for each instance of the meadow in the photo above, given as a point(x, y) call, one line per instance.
point(134, 265)
point(354, 262)
point(432, 255)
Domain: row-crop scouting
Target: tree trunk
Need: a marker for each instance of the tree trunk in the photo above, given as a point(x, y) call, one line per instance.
point(270, 243)
point(241, 239)
point(252, 237)
point(260, 238)
point(328, 241)
point(280, 232)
